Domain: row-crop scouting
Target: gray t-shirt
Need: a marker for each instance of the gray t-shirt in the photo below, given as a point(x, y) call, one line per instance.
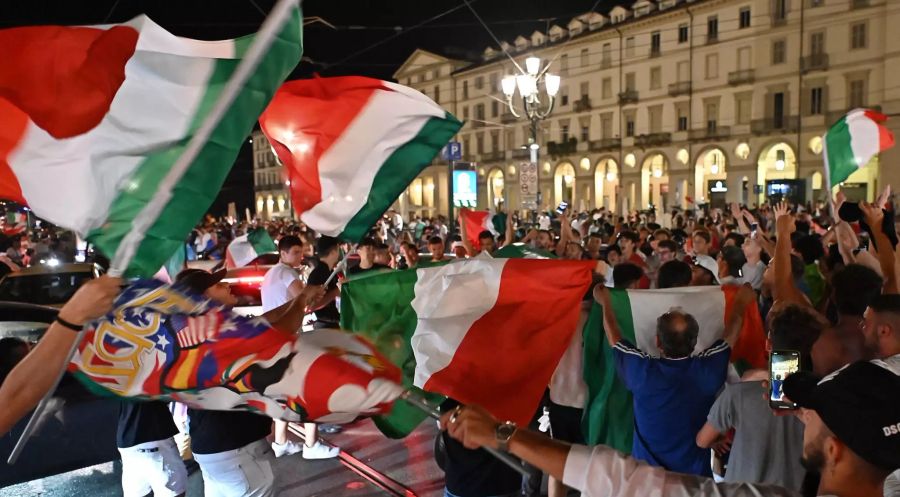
point(767, 448)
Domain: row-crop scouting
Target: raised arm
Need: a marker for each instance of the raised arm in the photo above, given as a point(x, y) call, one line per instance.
point(874, 217)
point(32, 378)
point(565, 234)
point(739, 219)
point(785, 290)
point(509, 230)
point(288, 317)
point(610, 325)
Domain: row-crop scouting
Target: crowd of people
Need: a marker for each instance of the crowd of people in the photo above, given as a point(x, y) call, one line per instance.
point(825, 284)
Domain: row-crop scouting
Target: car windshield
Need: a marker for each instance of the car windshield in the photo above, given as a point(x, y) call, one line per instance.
point(43, 289)
point(30, 331)
point(265, 260)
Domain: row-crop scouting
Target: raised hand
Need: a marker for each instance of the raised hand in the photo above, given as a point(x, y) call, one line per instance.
point(883, 198)
point(93, 300)
point(784, 221)
point(872, 214)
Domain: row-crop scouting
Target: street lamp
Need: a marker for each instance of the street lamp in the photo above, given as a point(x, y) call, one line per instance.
point(529, 86)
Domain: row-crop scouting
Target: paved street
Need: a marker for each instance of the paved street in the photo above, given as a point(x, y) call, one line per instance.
point(409, 462)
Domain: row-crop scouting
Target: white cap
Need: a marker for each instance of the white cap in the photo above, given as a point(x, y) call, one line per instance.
point(457, 244)
point(710, 264)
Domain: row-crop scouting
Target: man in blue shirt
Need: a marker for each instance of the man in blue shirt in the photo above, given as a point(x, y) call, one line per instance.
point(673, 393)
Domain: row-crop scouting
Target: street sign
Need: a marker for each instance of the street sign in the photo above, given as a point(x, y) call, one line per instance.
point(465, 189)
point(453, 151)
point(528, 185)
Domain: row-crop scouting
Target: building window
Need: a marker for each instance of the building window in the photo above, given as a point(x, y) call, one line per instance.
point(780, 11)
point(779, 49)
point(712, 66)
point(435, 73)
point(465, 148)
point(654, 43)
point(564, 96)
point(495, 141)
point(437, 94)
point(479, 112)
point(495, 86)
point(744, 18)
point(479, 144)
point(857, 97)
point(629, 81)
point(465, 89)
point(629, 46)
point(563, 64)
point(744, 109)
point(629, 126)
point(712, 29)
point(420, 78)
point(683, 33)
point(682, 123)
point(495, 108)
point(815, 101)
point(585, 133)
point(654, 115)
point(858, 36)
point(606, 121)
point(479, 82)
point(655, 78)
point(466, 113)
point(817, 43)
point(606, 57)
point(607, 88)
point(564, 133)
point(584, 58)
point(585, 91)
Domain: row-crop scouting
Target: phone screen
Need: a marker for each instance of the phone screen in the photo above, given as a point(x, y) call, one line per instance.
point(562, 207)
point(782, 363)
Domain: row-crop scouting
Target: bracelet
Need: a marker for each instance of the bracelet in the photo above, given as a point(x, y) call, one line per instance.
point(71, 326)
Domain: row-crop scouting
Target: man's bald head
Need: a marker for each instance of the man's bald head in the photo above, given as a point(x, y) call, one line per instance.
point(676, 334)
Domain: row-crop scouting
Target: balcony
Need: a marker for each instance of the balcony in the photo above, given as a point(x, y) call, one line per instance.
point(814, 62)
point(507, 118)
point(652, 140)
point(567, 147)
point(521, 153)
point(604, 144)
point(744, 77)
point(261, 187)
point(784, 124)
point(709, 133)
point(859, 4)
point(682, 88)
point(628, 97)
point(493, 156)
point(655, 52)
point(583, 104)
point(478, 122)
point(712, 38)
point(779, 20)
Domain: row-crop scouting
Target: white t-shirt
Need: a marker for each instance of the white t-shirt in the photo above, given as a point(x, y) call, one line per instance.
point(275, 286)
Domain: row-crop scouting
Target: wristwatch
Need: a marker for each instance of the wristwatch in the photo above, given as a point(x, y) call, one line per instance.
point(504, 433)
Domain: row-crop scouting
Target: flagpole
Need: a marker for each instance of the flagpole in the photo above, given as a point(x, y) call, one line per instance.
point(427, 408)
point(127, 249)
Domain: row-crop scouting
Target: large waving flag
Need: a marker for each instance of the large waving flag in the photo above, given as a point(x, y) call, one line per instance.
point(350, 146)
point(92, 118)
point(478, 221)
point(160, 343)
point(609, 416)
point(852, 142)
point(243, 249)
point(470, 329)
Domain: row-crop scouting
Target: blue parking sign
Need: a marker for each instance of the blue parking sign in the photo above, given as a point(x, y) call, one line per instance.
point(453, 151)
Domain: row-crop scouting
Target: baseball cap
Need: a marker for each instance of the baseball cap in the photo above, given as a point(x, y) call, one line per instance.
point(709, 264)
point(859, 405)
point(198, 280)
point(456, 244)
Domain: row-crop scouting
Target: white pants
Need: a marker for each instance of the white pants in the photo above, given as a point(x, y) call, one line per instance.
point(244, 472)
point(153, 466)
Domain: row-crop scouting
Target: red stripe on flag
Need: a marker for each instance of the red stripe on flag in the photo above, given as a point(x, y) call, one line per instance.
point(885, 137)
point(751, 344)
point(304, 119)
point(507, 357)
point(13, 123)
point(64, 78)
point(475, 221)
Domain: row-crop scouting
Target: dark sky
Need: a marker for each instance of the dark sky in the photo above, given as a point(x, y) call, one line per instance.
point(370, 38)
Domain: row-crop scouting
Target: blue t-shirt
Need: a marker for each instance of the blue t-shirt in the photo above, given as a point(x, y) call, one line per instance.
point(671, 400)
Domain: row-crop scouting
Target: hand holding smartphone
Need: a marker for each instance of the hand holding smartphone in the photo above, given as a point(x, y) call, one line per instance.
point(562, 207)
point(782, 363)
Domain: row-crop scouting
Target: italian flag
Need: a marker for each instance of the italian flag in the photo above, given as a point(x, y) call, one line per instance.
point(14, 223)
point(852, 142)
point(484, 331)
point(92, 119)
point(608, 415)
point(350, 146)
point(478, 221)
point(243, 249)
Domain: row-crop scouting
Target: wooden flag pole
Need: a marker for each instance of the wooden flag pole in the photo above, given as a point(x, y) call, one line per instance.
point(269, 30)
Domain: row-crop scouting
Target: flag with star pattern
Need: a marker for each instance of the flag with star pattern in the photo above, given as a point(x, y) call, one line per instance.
point(162, 343)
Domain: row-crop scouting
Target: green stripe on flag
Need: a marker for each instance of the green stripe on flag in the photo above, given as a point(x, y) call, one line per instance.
point(201, 183)
point(379, 307)
point(609, 410)
point(398, 171)
point(261, 242)
point(839, 153)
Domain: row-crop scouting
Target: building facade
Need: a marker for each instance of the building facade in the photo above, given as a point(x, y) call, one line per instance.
point(272, 196)
point(673, 103)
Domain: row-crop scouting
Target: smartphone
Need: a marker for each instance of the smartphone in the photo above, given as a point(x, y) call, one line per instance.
point(562, 207)
point(781, 364)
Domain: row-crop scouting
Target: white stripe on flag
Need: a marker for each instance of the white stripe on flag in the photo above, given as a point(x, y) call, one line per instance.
point(705, 304)
point(864, 138)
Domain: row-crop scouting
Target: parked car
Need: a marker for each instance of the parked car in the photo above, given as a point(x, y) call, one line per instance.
point(79, 433)
point(47, 284)
point(246, 283)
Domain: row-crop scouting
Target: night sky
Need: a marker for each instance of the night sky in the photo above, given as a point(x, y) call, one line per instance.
point(370, 38)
